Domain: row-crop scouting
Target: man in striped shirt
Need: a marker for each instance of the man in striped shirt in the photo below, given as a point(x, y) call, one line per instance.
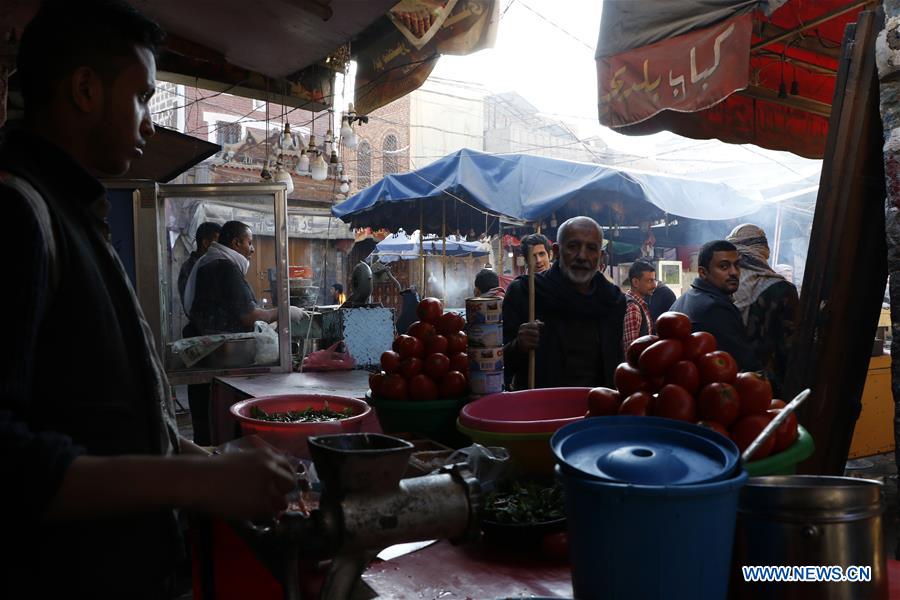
point(638, 320)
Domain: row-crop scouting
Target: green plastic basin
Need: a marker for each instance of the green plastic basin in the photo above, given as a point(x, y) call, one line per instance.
point(785, 462)
point(433, 419)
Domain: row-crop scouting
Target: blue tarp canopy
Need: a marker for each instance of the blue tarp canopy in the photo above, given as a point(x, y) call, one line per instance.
point(470, 189)
point(402, 246)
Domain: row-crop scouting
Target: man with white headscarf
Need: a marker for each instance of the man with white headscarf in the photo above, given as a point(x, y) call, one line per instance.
point(769, 304)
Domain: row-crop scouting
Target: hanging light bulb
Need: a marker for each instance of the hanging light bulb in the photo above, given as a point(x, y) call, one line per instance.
point(352, 141)
point(345, 185)
point(312, 144)
point(329, 141)
point(287, 140)
point(282, 176)
point(303, 163)
point(553, 220)
point(346, 130)
point(319, 169)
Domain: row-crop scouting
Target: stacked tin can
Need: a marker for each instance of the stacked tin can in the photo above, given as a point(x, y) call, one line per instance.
point(484, 327)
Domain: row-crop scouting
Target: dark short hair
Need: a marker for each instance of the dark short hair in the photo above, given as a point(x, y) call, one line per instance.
point(486, 280)
point(709, 248)
point(66, 35)
point(338, 287)
point(207, 231)
point(638, 268)
point(534, 239)
point(232, 230)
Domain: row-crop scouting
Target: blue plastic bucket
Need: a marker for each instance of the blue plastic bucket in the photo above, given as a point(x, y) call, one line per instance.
point(631, 542)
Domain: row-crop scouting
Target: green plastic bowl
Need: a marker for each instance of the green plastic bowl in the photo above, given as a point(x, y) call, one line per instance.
point(786, 461)
point(530, 452)
point(433, 419)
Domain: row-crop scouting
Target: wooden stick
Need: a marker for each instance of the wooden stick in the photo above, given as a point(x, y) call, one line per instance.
point(531, 353)
point(422, 246)
point(444, 251)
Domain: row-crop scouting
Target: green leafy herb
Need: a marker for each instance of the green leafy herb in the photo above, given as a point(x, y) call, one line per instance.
point(525, 503)
point(310, 415)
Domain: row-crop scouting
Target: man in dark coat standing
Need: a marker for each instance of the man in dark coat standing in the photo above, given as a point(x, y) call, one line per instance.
point(709, 305)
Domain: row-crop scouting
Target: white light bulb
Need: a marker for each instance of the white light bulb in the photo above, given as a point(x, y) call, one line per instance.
point(319, 169)
point(282, 176)
point(510, 254)
point(345, 187)
point(352, 141)
point(346, 130)
point(303, 164)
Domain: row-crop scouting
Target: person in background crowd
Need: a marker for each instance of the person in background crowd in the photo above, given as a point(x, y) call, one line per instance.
point(769, 304)
point(661, 301)
point(91, 461)
point(218, 297)
point(337, 293)
point(638, 319)
point(577, 334)
point(207, 233)
point(540, 246)
point(487, 283)
point(710, 306)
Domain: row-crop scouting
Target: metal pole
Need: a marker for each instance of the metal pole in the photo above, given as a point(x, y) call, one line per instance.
point(444, 249)
point(776, 246)
point(422, 246)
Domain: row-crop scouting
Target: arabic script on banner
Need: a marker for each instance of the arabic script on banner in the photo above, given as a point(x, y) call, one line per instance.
point(686, 73)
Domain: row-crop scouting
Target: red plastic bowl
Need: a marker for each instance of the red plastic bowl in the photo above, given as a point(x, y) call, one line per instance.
point(291, 437)
point(528, 411)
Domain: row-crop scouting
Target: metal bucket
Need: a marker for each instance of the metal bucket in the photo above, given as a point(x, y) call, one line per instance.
point(810, 521)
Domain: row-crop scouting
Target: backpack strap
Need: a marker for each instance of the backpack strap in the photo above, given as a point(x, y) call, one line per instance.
point(41, 212)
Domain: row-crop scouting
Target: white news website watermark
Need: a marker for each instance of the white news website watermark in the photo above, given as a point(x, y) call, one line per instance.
point(807, 573)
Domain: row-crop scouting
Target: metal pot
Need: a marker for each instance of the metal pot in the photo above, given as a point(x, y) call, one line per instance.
point(802, 520)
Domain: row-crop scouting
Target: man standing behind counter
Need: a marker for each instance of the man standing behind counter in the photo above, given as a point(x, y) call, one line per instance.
point(218, 297)
point(577, 333)
point(709, 304)
point(90, 460)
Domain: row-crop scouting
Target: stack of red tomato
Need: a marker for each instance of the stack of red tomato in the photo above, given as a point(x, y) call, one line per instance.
point(428, 362)
point(680, 375)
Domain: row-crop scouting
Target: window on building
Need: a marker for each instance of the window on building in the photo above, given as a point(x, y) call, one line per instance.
point(227, 133)
point(258, 104)
point(389, 155)
point(363, 165)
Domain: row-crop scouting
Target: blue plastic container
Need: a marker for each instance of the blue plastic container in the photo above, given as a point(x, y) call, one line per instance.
point(650, 542)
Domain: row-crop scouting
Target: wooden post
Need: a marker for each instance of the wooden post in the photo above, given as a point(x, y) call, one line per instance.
point(444, 250)
point(422, 247)
point(531, 353)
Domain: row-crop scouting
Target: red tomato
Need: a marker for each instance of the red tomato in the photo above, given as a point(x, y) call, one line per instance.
point(396, 345)
point(654, 384)
point(457, 342)
point(628, 380)
point(423, 331)
point(673, 325)
point(555, 546)
point(394, 387)
point(460, 362)
point(603, 401)
point(637, 404)
point(436, 344)
point(410, 367)
point(697, 344)
point(637, 347)
point(390, 361)
point(675, 402)
point(745, 431)
point(430, 310)
point(375, 380)
point(716, 367)
point(661, 355)
point(421, 387)
point(755, 392)
point(717, 427)
point(453, 385)
point(786, 433)
point(777, 404)
point(408, 345)
point(450, 323)
point(719, 402)
point(684, 373)
point(436, 366)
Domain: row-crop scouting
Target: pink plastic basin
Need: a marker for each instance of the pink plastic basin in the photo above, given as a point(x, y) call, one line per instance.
point(528, 411)
point(291, 437)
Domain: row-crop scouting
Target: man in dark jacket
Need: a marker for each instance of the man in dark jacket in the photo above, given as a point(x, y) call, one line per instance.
point(709, 305)
point(207, 233)
point(577, 333)
point(91, 463)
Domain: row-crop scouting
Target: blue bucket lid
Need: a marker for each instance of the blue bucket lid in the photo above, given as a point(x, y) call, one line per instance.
point(644, 451)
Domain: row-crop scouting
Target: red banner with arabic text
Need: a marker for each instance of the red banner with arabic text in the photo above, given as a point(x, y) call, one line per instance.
point(687, 73)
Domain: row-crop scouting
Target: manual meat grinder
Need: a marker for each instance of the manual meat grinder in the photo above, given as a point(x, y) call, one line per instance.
point(365, 507)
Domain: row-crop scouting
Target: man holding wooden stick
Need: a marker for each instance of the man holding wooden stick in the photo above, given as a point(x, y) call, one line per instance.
point(577, 330)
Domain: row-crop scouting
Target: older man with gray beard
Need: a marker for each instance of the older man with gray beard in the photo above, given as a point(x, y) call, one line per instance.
point(577, 332)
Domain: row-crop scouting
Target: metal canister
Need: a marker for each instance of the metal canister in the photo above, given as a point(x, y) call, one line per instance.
point(805, 520)
point(484, 310)
point(485, 336)
point(485, 359)
point(485, 382)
